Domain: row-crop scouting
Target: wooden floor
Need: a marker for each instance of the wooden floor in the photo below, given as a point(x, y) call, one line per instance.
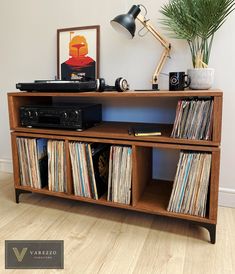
point(107, 240)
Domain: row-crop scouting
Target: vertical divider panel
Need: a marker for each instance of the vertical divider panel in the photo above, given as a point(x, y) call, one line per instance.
point(142, 171)
point(217, 119)
point(69, 178)
point(15, 160)
point(214, 185)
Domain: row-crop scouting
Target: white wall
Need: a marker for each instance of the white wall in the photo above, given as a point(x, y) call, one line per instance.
point(28, 52)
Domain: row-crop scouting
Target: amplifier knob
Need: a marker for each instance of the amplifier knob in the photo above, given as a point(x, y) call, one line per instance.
point(75, 115)
point(34, 114)
point(65, 115)
point(25, 113)
point(29, 113)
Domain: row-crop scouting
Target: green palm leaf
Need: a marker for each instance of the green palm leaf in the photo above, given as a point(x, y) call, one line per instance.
point(196, 21)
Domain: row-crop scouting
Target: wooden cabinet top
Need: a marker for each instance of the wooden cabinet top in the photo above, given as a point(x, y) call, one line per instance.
point(131, 93)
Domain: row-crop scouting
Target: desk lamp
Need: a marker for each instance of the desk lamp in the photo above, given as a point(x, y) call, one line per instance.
point(125, 23)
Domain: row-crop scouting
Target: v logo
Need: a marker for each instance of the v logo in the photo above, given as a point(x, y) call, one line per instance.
point(20, 255)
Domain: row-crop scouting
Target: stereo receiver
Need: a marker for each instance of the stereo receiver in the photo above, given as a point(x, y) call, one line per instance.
point(78, 117)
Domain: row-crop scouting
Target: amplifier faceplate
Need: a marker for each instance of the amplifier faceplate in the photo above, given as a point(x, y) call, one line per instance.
point(77, 117)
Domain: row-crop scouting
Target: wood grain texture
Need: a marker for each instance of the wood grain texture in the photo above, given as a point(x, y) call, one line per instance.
point(214, 185)
point(130, 93)
point(119, 131)
point(104, 240)
point(15, 160)
point(136, 142)
point(217, 119)
point(142, 171)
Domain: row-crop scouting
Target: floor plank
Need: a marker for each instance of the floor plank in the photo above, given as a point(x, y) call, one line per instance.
point(105, 240)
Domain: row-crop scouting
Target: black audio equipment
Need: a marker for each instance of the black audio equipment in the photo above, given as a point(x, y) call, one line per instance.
point(121, 84)
point(78, 117)
point(57, 85)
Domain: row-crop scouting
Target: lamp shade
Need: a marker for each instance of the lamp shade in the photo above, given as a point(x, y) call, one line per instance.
point(125, 23)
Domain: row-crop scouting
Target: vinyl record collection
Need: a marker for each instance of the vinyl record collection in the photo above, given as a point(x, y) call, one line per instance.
point(193, 119)
point(89, 168)
point(120, 171)
point(190, 188)
point(56, 166)
point(32, 161)
point(98, 169)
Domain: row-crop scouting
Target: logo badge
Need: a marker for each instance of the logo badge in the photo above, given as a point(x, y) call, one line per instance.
point(20, 255)
point(34, 254)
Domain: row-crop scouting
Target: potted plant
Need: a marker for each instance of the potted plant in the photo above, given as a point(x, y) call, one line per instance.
point(196, 21)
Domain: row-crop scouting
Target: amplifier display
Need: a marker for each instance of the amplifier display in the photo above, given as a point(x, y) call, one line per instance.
point(77, 117)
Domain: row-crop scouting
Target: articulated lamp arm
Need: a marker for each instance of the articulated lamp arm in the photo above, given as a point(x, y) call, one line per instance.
point(164, 43)
point(125, 23)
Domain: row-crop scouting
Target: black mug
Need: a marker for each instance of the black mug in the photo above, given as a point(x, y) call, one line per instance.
point(178, 81)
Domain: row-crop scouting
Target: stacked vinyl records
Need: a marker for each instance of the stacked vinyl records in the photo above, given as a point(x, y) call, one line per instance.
point(56, 166)
point(120, 171)
point(90, 168)
point(193, 119)
point(190, 188)
point(32, 154)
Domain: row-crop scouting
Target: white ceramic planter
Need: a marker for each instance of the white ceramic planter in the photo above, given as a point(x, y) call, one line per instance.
point(201, 78)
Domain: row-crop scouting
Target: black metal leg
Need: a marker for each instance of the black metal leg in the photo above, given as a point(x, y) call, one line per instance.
point(212, 231)
point(18, 192)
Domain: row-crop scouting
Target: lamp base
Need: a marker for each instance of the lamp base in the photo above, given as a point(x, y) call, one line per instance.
point(154, 88)
point(147, 89)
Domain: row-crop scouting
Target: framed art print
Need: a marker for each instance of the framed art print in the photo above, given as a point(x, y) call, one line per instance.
point(78, 53)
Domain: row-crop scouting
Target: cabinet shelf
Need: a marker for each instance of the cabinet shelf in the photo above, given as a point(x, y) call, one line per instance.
point(153, 201)
point(102, 200)
point(131, 93)
point(119, 131)
point(147, 194)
